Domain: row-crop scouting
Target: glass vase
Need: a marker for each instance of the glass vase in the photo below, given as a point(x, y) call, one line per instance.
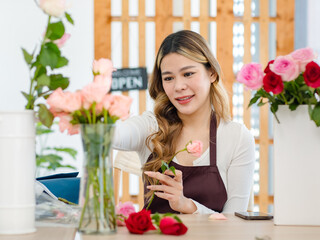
point(96, 190)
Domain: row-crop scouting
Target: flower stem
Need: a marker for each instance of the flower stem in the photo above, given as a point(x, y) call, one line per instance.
point(284, 98)
point(152, 197)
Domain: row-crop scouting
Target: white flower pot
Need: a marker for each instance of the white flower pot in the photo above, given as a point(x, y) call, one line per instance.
point(296, 168)
point(17, 172)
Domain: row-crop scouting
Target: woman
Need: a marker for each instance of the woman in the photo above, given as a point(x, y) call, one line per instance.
point(190, 104)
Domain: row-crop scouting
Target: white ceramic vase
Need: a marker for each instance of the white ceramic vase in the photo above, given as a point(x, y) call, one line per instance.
point(17, 172)
point(296, 168)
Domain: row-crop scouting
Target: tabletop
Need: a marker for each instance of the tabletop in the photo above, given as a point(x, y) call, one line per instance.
point(199, 227)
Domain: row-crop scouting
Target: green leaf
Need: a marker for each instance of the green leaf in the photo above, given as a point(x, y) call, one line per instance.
point(316, 114)
point(173, 169)
point(26, 95)
point(62, 61)
point(254, 100)
point(261, 103)
point(69, 18)
point(43, 80)
point(27, 57)
point(49, 55)
point(55, 30)
point(293, 106)
point(45, 116)
point(164, 166)
point(70, 151)
point(57, 80)
point(274, 107)
point(156, 218)
point(39, 71)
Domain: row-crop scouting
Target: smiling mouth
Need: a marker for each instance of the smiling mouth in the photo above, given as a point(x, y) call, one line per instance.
point(184, 99)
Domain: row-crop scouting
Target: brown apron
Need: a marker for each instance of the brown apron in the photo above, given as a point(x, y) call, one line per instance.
point(200, 183)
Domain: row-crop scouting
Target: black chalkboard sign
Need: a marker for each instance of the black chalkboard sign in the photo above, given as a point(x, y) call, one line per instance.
point(125, 79)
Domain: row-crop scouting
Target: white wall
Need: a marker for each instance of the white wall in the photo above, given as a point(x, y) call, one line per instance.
point(21, 24)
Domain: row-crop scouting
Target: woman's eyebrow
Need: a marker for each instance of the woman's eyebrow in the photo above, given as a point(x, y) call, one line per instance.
point(182, 69)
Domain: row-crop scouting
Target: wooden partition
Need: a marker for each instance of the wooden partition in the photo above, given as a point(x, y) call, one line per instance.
point(225, 20)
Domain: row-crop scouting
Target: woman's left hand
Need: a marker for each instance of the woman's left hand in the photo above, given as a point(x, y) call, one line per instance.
point(171, 189)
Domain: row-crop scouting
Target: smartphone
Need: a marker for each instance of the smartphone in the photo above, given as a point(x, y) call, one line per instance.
point(253, 215)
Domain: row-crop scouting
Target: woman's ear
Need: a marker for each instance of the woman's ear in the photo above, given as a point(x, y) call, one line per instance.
point(213, 76)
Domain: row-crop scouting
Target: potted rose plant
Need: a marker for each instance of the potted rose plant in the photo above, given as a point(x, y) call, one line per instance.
point(291, 85)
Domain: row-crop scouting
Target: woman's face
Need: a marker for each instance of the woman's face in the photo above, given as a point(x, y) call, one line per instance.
point(186, 83)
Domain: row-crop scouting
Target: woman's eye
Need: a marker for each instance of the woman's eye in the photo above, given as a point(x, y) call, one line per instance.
point(168, 78)
point(188, 74)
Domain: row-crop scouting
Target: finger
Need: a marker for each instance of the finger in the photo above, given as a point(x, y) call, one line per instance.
point(177, 176)
point(166, 189)
point(161, 177)
point(166, 196)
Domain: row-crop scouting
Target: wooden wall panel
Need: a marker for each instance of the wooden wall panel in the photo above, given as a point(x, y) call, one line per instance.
point(102, 29)
point(285, 26)
point(247, 21)
point(224, 21)
point(264, 111)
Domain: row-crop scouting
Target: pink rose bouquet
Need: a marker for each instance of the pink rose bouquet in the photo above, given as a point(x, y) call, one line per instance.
point(93, 104)
point(46, 59)
point(292, 80)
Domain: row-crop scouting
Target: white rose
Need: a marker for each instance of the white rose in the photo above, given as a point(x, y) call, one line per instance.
point(53, 7)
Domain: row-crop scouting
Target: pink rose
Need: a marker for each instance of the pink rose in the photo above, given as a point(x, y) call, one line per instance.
point(171, 226)
point(64, 124)
point(286, 67)
point(53, 7)
point(72, 101)
point(105, 104)
point(124, 210)
point(303, 56)
point(93, 92)
point(120, 106)
point(251, 75)
point(102, 66)
point(103, 79)
point(60, 42)
point(195, 148)
point(55, 101)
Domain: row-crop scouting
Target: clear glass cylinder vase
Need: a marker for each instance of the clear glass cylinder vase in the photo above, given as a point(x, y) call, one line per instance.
point(96, 190)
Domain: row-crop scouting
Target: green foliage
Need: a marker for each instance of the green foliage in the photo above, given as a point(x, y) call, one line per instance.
point(51, 158)
point(41, 63)
point(295, 93)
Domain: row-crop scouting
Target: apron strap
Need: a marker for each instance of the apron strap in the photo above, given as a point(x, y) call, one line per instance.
point(213, 140)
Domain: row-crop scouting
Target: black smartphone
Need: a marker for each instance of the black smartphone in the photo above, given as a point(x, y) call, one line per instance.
point(253, 215)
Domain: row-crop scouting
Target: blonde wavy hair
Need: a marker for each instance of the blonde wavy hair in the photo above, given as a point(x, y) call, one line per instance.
point(162, 144)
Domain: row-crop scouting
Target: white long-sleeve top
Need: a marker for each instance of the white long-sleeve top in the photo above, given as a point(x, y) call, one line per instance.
point(235, 156)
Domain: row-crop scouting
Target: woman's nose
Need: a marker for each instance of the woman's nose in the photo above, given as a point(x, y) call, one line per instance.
point(180, 84)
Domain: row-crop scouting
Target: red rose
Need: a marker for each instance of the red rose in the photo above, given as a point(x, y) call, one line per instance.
point(267, 69)
point(272, 83)
point(312, 75)
point(171, 226)
point(139, 222)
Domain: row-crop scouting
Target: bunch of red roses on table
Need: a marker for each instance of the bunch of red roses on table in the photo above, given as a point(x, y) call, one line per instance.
point(141, 222)
point(292, 80)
